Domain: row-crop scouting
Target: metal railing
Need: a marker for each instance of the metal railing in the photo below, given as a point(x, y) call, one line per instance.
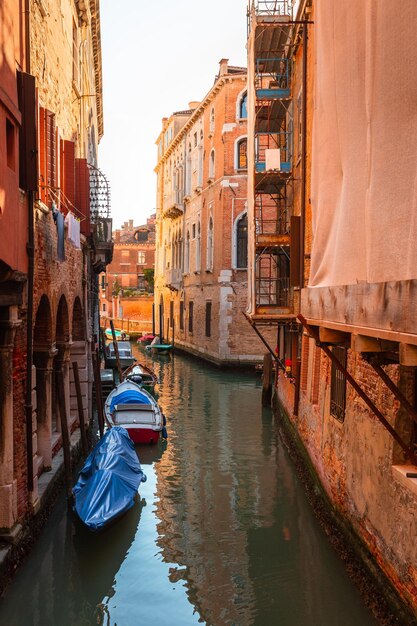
point(272, 215)
point(173, 276)
point(267, 141)
point(273, 75)
point(269, 8)
point(273, 292)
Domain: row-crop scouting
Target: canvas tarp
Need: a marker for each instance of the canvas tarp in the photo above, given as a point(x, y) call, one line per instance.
point(364, 156)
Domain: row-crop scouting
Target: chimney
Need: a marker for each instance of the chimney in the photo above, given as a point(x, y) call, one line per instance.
point(223, 67)
point(193, 104)
point(130, 224)
point(117, 236)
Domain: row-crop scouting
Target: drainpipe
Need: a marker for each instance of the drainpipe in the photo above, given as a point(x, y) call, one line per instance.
point(304, 158)
point(30, 285)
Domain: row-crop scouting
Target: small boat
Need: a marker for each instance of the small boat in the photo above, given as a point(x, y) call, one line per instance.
point(160, 348)
point(109, 481)
point(125, 353)
point(145, 340)
point(142, 376)
point(136, 410)
point(121, 335)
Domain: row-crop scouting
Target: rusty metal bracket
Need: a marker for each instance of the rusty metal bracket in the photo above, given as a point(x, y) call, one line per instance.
point(314, 333)
point(277, 360)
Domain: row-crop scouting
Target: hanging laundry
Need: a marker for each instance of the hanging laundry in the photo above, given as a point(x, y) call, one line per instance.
point(73, 230)
point(60, 227)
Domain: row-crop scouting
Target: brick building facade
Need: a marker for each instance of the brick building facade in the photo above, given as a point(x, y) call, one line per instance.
point(57, 237)
point(348, 396)
point(134, 252)
point(201, 265)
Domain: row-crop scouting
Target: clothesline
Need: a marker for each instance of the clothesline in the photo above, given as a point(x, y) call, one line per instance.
point(67, 203)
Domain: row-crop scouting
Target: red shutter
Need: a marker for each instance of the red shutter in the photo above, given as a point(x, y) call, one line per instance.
point(68, 181)
point(82, 194)
point(42, 155)
point(47, 155)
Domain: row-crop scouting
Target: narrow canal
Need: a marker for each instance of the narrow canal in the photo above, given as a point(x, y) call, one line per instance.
point(223, 535)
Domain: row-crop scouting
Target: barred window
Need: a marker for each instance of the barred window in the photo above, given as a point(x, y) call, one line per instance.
point(242, 162)
point(338, 385)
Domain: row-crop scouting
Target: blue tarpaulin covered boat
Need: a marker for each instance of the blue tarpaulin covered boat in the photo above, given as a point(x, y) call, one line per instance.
point(109, 481)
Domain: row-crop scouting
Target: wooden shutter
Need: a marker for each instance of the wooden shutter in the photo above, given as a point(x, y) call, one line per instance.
point(47, 156)
point(82, 194)
point(28, 163)
point(68, 176)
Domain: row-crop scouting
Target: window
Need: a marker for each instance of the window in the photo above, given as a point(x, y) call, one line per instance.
point(181, 314)
point(212, 120)
point(208, 319)
point(141, 258)
point(103, 281)
point(187, 253)
point(243, 112)
point(242, 162)
point(10, 144)
point(195, 139)
point(193, 231)
point(211, 165)
point(190, 316)
point(198, 249)
point(338, 385)
point(242, 242)
point(103, 307)
point(209, 265)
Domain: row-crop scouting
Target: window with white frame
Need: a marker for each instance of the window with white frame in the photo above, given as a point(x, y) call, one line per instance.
point(211, 164)
point(212, 120)
point(242, 154)
point(198, 249)
point(187, 253)
point(241, 234)
point(141, 257)
point(243, 110)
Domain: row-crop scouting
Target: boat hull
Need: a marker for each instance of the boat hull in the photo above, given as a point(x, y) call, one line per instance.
point(143, 435)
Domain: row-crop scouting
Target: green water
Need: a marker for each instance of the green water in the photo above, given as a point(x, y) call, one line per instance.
point(224, 533)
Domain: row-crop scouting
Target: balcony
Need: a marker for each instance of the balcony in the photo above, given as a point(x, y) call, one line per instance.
point(103, 243)
point(173, 278)
point(272, 80)
point(175, 204)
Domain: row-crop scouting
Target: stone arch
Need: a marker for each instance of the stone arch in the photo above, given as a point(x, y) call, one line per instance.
point(43, 354)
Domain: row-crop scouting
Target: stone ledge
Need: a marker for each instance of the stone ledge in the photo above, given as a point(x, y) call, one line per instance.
point(399, 473)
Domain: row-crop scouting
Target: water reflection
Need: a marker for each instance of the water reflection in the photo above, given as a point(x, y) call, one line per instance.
point(226, 536)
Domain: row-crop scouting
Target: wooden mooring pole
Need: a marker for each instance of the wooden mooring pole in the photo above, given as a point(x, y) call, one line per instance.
point(116, 351)
point(267, 380)
point(84, 442)
point(99, 397)
point(66, 447)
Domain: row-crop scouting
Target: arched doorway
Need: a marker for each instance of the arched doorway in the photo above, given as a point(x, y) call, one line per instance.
point(43, 356)
point(161, 318)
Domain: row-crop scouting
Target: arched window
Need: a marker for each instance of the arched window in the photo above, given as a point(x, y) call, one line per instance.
point(241, 156)
point(211, 165)
point(242, 242)
point(243, 111)
point(209, 265)
point(212, 120)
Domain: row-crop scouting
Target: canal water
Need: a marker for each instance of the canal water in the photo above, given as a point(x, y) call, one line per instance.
point(223, 533)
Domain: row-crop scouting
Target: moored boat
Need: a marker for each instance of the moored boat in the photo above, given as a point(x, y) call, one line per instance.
point(125, 354)
point(142, 376)
point(135, 410)
point(108, 483)
point(160, 348)
point(146, 339)
point(121, 335)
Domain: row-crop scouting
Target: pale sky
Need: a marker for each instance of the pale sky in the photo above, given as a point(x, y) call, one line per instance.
point(157, 57)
